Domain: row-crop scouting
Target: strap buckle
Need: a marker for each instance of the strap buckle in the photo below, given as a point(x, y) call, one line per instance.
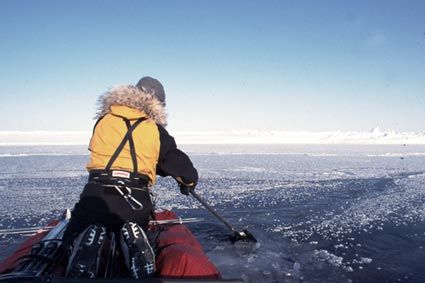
point(126, 194)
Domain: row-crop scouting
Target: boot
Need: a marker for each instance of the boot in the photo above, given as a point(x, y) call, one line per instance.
point(85, 257)
point(138, 253)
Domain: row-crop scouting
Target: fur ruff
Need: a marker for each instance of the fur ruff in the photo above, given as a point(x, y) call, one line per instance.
point(133, 97)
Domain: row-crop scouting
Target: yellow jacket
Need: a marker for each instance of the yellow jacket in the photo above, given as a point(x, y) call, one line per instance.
point(156, 150)
point(109, 133)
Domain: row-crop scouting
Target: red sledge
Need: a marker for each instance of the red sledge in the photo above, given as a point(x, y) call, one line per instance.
point(179, 257)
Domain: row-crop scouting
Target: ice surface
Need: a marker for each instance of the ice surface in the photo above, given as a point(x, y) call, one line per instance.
point(44, 138)
point(320, 213)
point(374, 136)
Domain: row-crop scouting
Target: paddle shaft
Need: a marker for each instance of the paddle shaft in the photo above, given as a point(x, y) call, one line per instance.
point(206, 205)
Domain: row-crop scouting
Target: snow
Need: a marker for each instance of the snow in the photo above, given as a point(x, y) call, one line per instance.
point(44, 138)
point(374, 136)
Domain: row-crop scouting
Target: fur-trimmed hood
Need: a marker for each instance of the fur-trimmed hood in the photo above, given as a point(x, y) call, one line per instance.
point(133, 97)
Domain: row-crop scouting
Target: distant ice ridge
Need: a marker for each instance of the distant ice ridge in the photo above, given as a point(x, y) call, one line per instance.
point(44, 138)
point(374, 136)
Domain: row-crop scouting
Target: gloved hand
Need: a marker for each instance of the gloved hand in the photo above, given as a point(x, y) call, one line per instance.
point(185, 189)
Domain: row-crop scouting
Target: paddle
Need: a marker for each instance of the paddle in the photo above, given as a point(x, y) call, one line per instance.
point(237, 235)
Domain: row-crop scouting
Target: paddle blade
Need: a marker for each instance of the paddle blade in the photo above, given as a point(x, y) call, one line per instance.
point(242, 236)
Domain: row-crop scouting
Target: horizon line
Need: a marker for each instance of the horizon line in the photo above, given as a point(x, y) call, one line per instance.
point(374, 136)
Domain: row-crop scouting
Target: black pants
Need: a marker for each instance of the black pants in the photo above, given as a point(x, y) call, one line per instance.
point(102, 204)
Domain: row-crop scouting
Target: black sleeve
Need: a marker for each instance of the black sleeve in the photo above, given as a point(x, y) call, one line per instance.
point(172, 161)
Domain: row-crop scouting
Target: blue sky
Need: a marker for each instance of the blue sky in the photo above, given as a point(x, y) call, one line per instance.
point(266, 65)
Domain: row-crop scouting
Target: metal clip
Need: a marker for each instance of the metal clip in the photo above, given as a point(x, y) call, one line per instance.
point(132, 202)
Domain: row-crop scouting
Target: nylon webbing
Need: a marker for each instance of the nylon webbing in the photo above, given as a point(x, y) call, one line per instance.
point(97, 122)
point(132, 148)
point(122, 144)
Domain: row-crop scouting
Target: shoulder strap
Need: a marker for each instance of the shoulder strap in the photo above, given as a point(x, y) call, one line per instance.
point(123, 142)
point(132, 148)
point(97, 122)
point(95, 125)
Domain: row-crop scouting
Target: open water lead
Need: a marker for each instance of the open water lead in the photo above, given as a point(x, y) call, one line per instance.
point(237, 235)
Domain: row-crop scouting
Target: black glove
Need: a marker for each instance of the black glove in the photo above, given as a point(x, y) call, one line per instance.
point(185, 189)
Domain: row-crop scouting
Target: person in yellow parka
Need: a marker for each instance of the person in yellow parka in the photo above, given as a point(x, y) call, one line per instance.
point(128, 148)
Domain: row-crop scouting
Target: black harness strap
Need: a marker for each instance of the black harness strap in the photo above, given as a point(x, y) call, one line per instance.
point(95, 125)
point(97, 122)
point(123, 142)
point(132, 148)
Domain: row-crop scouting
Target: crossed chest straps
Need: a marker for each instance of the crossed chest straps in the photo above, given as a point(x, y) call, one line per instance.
point(128, 137)
point(121, 188)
